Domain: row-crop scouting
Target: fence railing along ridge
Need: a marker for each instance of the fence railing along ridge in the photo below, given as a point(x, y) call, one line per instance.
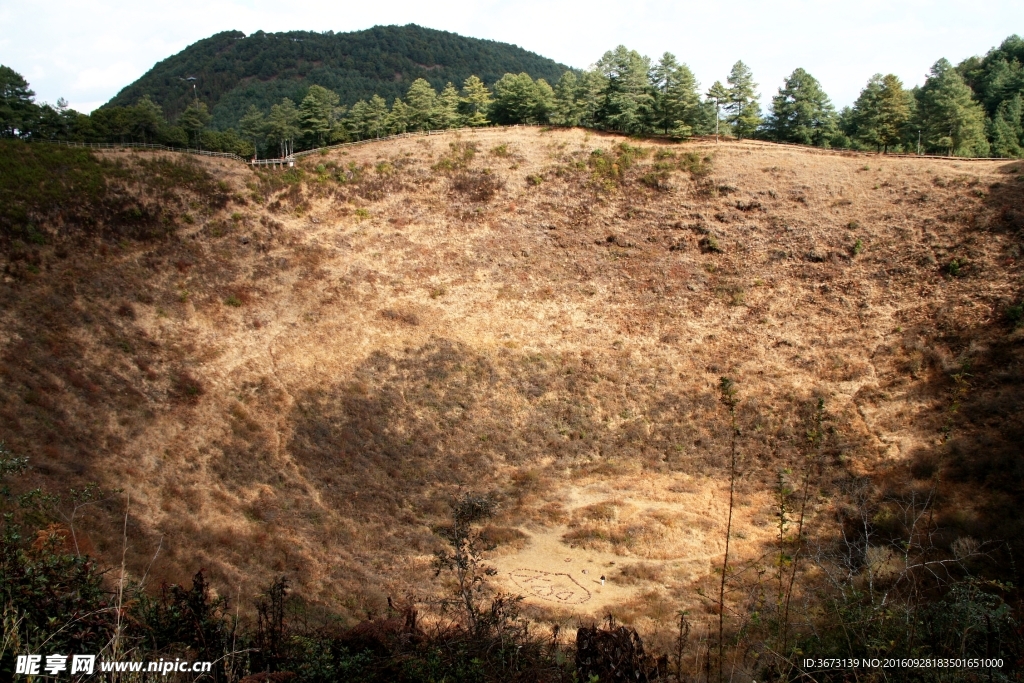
point(851, 152)
point(281, 161)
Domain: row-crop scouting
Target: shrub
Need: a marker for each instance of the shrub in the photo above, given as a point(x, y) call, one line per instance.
point(611, 166)
point(709, 245)
point(185, 388)
point(656, 180)
point(477, 186)
point(400, 316)
point(698, 165)
point(459, 156)
point(1015, 314)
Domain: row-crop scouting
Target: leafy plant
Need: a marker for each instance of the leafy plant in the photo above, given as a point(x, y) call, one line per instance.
point(461, 557)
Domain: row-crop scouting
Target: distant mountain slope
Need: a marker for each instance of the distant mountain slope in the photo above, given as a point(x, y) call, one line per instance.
point(234, 70)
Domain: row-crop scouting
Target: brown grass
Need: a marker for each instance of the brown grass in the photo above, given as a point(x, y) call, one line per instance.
point(412, 324)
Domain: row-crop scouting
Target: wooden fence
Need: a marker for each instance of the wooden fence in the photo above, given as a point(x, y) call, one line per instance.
point(290, 160)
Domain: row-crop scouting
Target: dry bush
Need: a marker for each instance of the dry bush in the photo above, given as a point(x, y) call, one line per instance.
point(476, 186)
point(185, 387)
point(405, 317)
point(631, 574)
point(502, 536)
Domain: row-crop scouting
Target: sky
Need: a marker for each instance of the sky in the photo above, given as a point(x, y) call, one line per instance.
point(86, 51)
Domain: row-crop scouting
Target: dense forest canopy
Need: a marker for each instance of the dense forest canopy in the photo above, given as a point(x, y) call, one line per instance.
point(251, 99)
point(234, 71)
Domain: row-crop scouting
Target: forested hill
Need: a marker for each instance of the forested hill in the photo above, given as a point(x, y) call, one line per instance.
point(234, 70)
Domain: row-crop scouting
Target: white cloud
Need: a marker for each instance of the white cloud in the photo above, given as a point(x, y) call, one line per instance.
point(87, 51)
point(111, 77)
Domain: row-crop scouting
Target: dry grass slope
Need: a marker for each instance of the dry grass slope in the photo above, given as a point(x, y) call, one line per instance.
point(303, 372)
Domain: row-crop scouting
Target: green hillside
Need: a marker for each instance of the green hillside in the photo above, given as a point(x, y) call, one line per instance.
point(234, 70)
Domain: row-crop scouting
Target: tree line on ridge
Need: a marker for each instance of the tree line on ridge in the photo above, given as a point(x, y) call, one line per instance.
point(973, 109)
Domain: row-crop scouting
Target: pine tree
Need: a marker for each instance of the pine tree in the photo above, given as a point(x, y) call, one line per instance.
point(802, 112)
point(951, 120)
point(398, 118)
point(544, 100)
point(253, 125)
point(844, 128)
point(564, 110)
point(882, 113)
point(446, 109)
point(17, 107)
point(375, 117)
point(629, 100)
point(591, 93)
point(998, 76)
point(718, 93)
point(147, 118)
point(193, 120)
point(420, 100)
point(358, 127)
point(677, 102)
point(283, 126)
point(475, 103)
point(1007, 128)
point(744, 112)
point(319, 112)
point(520, 99)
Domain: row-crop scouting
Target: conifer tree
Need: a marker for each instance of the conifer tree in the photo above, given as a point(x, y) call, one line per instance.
point(253, 125)
point(375, 117)
point(629, 100)
point(744, 112)
point(677, 102)
point(591, 93)
point(446, 109)
point(147, 118)
point(718, 93)
point(544, 96)
point(1007, 128)
point(520, 99)
point(475, 104)
point(357, 121)
point(17, 105)
point(882, 113)
point(420, 101)
point(283, 126)
point(319, 112)
point(951, 120)
point(193, 120)
point(802, 112)
point(998, 76)
point(398, 118)
point(564, 110)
